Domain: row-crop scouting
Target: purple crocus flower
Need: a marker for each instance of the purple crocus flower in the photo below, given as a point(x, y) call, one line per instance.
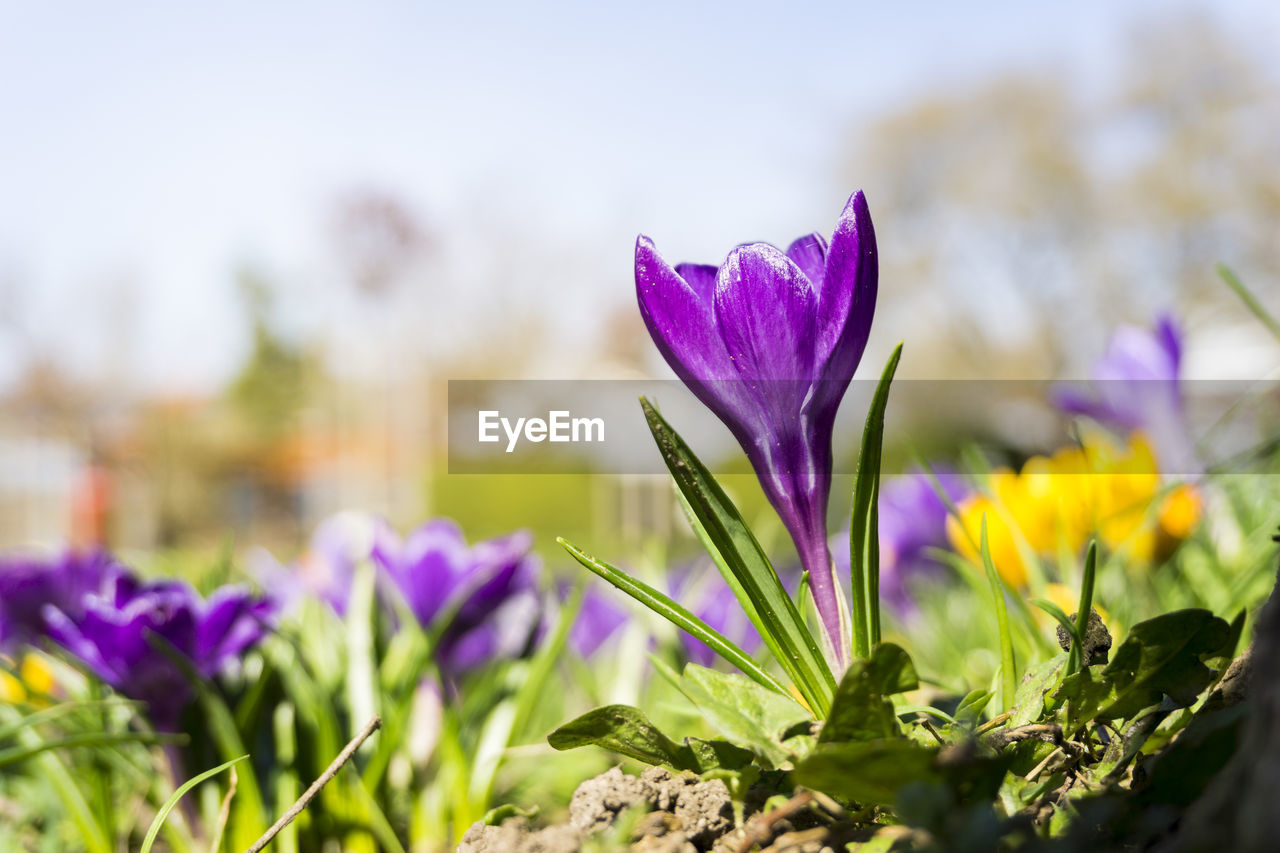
point(1137, 386)
point(27, 584)
point(327, 568)
point(598, 620)
point(112, 636)
point(913, 519)
point(769, 342)
point(708, 597)
point(488, 592)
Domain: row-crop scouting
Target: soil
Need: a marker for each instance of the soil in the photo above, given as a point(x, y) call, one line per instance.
point(672, 813)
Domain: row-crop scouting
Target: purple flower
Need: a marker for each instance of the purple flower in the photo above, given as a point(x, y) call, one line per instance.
point(705, 594)
point(769, 341)
point(597, 621)
point(1137, 386)
point(913, 519)
point(488, 592)
point(327, 568)
point(112, 635)
point(27, 584)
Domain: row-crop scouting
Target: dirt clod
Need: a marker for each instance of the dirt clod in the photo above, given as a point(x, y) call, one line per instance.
point(597, 802)
point(1097, 640)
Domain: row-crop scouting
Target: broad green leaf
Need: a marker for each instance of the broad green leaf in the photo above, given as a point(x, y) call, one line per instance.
point(1180, 772)
point(621, 729)
point(1037, 682)
point(1162, 656)
point(864, 539)
point(861, 709)
point(627, 731)
point(669, 609)
point(777, 619)
point(869, 772)
point(742, 711)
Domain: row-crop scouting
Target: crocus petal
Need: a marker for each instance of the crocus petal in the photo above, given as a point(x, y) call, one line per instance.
point(701, 279)
point(680, 319)
point(233, 621)
point(810, 255)
point(764, 309)
point(846, 300)
point(427, 567)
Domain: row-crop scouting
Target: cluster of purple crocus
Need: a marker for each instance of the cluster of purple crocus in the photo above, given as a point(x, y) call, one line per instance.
point(769, 341)
point(118, 625)
point(482, 600)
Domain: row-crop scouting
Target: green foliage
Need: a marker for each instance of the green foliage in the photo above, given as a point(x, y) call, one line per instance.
point(864, 522)
point(172, 802)
point(1163, 656)
point(862, 709)
point(751, 576)
point(627, 731)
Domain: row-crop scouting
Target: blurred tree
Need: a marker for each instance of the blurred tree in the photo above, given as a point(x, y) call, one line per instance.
point(1027, 211)
point(272, 386)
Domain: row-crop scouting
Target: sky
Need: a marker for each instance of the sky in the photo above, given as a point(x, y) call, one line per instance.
point(150, 149)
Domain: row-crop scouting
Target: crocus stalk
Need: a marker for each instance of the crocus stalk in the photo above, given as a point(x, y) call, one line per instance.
point(769, 341)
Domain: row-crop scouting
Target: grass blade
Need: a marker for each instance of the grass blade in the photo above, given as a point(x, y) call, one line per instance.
point(1250, 301)
point(864, 523)
point(674, 613)
point(1074, 661)
point(1057, 613)
point(169, 805)
point(776, 617)
point(224, 734)
point(1008, 680)
point(19, 754)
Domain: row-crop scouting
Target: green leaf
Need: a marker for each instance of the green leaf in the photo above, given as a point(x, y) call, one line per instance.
point(735, 547)
point(861, 709)
point(869, 772)
point(864, 539)
point(673, 612)
point(1057, 613)
point(1162, 656)
point(1076, 660)
point(1036, 684)
point(743, 712)
point(169, 805)
point(627, 731)
point(621, 729)
point(972, 705)
point(495, 816)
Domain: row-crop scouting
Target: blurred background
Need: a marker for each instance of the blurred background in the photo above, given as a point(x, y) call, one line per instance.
point(243, 247)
